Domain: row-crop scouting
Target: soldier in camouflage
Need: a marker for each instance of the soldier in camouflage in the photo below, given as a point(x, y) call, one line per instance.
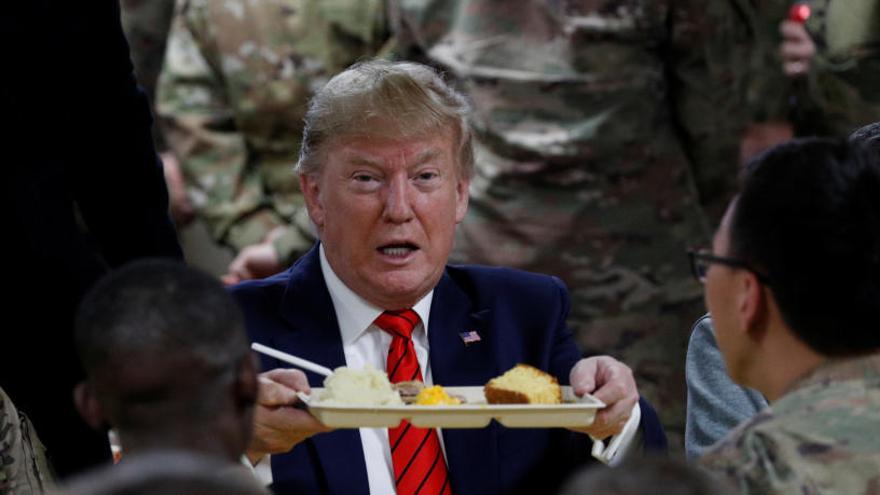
point(715, 403)
point(232, 96)
point(792, 283)
point(807, 77)
point(601, 133)
point(821, 437)
point(23, 466)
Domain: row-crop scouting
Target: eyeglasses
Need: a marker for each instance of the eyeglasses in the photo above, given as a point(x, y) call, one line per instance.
point(702, 258)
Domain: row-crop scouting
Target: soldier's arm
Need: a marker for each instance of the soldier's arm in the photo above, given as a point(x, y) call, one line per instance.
point(199, 123)
point(707, 92)
point(750, 460)
point(23, 464)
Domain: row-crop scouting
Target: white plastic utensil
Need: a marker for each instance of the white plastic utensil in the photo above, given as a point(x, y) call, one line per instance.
point(291, 359)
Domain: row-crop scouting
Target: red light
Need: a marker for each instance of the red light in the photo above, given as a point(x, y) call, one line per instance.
point(799, 13)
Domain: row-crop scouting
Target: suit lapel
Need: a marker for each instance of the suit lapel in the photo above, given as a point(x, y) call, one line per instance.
point(313, 334)
point(307, 309)
point(454, 363)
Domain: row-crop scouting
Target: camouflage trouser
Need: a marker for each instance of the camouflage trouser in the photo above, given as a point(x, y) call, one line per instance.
point(619, 243)
point(23, 465)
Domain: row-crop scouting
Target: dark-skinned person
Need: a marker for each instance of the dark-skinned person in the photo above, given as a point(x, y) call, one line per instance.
point(167, 362)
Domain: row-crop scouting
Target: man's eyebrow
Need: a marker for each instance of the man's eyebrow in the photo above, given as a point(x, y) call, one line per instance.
point(427, 155)
point(362, 160)
point(424, 156)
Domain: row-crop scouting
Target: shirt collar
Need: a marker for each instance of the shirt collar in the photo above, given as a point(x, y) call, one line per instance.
point(354, 313)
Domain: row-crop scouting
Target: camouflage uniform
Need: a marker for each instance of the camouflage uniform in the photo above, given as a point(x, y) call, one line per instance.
point(23, 466)
point(820, 437)
point(232, 96)
point(840, 93)
point(597, 124)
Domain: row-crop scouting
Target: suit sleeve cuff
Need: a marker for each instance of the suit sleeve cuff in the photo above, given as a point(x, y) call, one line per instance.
point(262, 470)
point(620, 446)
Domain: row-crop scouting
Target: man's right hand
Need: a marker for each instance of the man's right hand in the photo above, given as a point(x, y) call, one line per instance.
point(278, 426)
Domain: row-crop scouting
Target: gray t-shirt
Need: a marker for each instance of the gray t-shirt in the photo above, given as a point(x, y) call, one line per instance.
point(715, 404)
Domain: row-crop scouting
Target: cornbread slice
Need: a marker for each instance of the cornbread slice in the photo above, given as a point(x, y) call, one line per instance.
point(523, 384)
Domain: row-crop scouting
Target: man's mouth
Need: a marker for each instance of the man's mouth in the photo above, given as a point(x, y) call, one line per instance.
point(398, 250)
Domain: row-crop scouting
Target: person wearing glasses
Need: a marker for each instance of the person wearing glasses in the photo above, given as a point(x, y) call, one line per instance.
point(715, 404)
point(793, 283)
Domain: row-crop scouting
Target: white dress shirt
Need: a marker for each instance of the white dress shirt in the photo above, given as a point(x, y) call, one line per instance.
point(366, 344)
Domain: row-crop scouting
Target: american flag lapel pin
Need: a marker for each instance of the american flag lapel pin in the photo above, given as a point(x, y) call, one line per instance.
point(470, 337)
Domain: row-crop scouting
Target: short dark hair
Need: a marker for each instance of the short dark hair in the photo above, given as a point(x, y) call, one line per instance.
point(808, 216)
point(161, 313)
point(644, 476)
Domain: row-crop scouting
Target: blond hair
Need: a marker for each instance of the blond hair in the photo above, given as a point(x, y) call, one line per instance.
point(388, 99)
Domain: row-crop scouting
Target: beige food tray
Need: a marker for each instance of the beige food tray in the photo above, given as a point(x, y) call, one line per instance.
point(474, 413)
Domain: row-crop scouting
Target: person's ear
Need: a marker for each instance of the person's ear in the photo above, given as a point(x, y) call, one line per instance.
point(310, 185)
point(86, 401)
point(462, 195)
point(751, 305)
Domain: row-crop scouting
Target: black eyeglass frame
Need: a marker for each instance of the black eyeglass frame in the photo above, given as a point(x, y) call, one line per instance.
point(698, 255)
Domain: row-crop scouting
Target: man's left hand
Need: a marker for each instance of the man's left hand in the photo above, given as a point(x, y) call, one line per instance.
point(610, 381)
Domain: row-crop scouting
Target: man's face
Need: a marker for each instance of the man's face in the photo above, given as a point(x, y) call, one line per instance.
point(386, 211)
point(722, 300)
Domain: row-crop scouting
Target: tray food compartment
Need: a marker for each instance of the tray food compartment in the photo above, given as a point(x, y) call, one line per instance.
point(474, 413)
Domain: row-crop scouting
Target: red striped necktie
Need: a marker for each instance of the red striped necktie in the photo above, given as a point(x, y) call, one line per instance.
point(419, 467)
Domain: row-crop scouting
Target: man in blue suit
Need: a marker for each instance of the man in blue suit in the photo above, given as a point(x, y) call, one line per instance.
point(385, 166)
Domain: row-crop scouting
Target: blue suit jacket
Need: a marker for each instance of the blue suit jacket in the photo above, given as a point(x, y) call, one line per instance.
point(520, 318)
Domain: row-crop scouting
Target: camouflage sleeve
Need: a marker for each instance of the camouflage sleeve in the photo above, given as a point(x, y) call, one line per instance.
point(835, 97)
point(766, 87)
point(199, 124)
point(23, 464)
point(707, 91)
point(846, 70)
point(294, 239)
point(751, 460)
